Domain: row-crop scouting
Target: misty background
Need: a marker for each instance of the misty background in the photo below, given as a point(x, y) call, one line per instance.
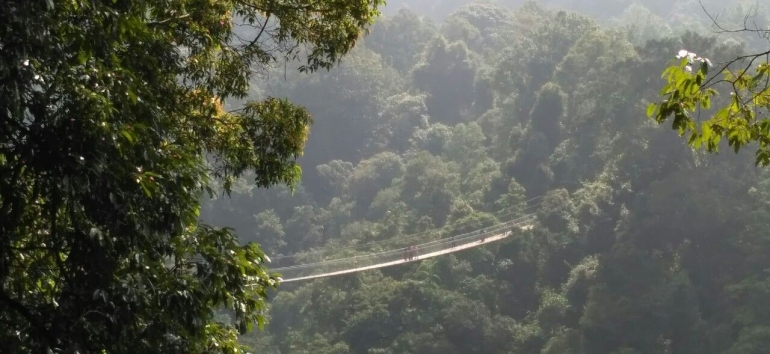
point(450, 112)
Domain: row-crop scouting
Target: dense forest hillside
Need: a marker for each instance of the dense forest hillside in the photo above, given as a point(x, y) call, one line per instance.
point(449, 113)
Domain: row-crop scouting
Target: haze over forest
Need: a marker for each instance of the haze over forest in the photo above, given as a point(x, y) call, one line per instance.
point(538, 177)
point(450, 112)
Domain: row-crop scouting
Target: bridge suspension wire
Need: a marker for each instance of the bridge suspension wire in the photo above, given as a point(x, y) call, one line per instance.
point(442, 240)
point(501, 214)
point(475, 223)
point(315, 258)
point(404, 255)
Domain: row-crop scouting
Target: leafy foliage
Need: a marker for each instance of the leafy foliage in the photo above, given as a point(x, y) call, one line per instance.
point(111, 127)
point(640, 245)
point(741, 118)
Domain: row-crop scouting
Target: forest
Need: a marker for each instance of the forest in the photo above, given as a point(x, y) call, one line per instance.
point(449, 112)
point(165, 164)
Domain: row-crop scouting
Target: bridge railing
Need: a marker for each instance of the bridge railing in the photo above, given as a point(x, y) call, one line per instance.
point(349, 251)
point(352, 250)
point(401, 254)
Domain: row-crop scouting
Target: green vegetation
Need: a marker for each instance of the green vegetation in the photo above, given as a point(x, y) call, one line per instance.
point(111, 128)
point(150, 159)
point(741, 118)
point(727, 96)
point(641, 244)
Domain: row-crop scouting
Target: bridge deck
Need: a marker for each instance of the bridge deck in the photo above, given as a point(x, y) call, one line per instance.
point(457, 248)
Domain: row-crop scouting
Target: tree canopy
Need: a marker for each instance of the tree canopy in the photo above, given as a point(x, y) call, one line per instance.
point(112, 125)
point(639, 244)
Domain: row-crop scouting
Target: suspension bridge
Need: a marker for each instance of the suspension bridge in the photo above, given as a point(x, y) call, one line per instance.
point(409, 250)
point(400, 256)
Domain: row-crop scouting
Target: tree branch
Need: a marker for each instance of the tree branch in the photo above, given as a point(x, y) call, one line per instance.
point(28, 315)
point(725, 66)
point(762, 32)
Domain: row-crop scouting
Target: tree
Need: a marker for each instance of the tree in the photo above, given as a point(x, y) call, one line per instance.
point(399, 39)
point(642, 24)
point(349, 96)
point(447, 73)
point(547, 112)
point(269, 231)
point(402, 115)
point(430, 185)
point(530, 60)
point(111, 127)
point(372, 175)
point(741, 117)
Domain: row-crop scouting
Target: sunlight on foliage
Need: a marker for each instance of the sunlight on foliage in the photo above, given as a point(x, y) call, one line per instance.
point(112, 127)
point(741, 118)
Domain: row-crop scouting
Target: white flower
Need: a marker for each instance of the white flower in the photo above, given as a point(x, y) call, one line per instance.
point(267, 259)
point(688, 68)
point(25, 62)
point(686, 54)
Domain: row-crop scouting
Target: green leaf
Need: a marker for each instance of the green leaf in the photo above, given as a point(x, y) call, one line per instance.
point(704, 68)
point(83, 57)
point(651, 109)
point(126, 134)
point(706, 131)
point(137, 283)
